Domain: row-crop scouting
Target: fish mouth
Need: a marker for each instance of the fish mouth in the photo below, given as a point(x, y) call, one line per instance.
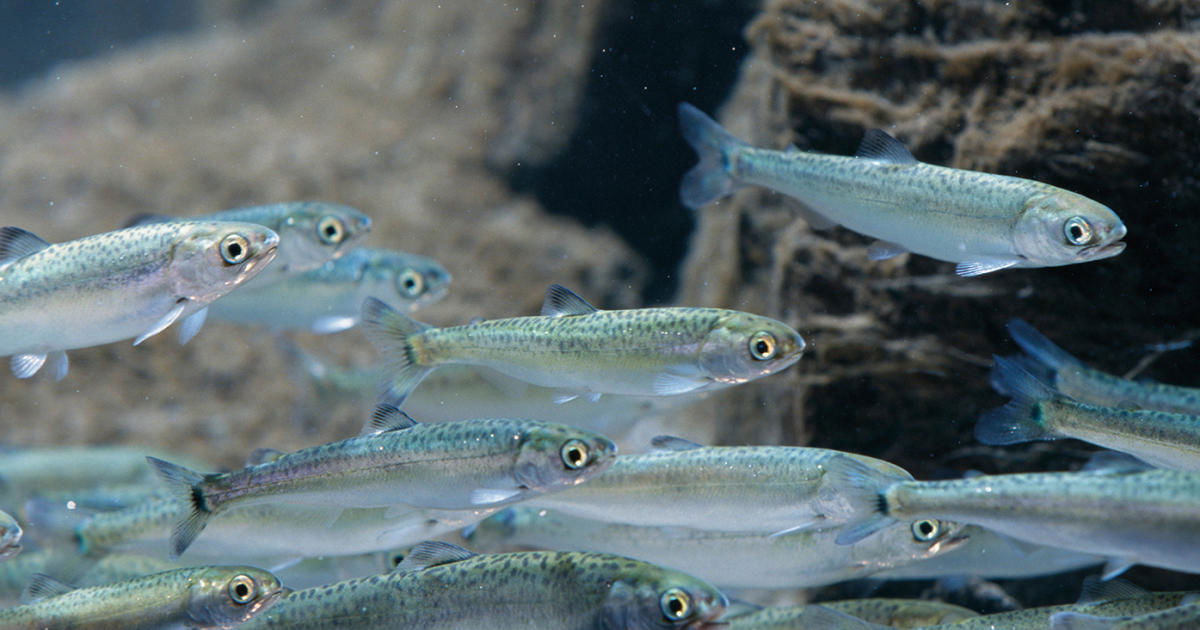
point(948, 544)
point(1107, 250)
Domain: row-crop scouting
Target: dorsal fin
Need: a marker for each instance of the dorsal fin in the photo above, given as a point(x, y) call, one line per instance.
point(388, 417)
point(42, 586)
point(880, 146)
point(432, 553)
point(672, 443)
point(148, 218)
point(563, 302)
point(263, 455)
point(15, 243)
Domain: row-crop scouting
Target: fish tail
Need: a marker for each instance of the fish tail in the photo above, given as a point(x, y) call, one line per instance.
point(864, 485)
point(188, 486)
point(711, 179)
point(392, 333)
point(1021, 420)
point(1039, 346)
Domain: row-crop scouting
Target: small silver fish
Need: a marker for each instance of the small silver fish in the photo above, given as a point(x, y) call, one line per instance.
point(1072, 378)
point(1147, 517)
point(727, 559)
point(1132, 603)
point(684, 484)
point(1038, 412)
point(981, 221)
point(797, 618)
point(329, 299)
point(203, 597)
point(127, 284)
point(993, 556)
point(444, 587)
point(453, 465)
point(575, 347)
point(269, 534)
point(311, 233)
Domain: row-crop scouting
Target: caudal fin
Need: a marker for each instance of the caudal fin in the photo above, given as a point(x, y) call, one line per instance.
point(1039, 346)
point(710, 179)
point(391, 332)
point(863, 487)
point(1021, 420)
point(185, 485)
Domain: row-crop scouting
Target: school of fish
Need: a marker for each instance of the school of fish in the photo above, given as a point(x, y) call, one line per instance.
point(511, 451)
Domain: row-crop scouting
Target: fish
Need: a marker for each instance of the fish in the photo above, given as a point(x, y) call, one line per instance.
point(902, 613)
point(1120, 600)
point(202, 597)
point(982, 222)
point(990, 555)
point(851, 614)
point(71, 473)
point(1149, 517)
point(1183, 617)
point(329, 299)
point(10, 536)
point(1067, 374)
point(797, 618)
point(442, 586)
point(311, 233)
point(127, 284)
point(270, 534)
point(684, 484)
point(575, 347)
point(1039, 412)
point(464, 391)
point(16, 574)
point(799, 559)
point(452, 465)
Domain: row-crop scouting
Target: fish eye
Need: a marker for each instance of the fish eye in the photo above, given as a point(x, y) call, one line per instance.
point(763, 346)
point(575, 454)
point(397, 558)
point(235, 249)
point(411, 283)
point(926, 530)
point(242, 589)
point(675, 604)
point(1078, 231)
point(331, 230)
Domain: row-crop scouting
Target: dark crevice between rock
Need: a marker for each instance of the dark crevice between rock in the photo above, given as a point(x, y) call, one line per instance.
point(622, 165)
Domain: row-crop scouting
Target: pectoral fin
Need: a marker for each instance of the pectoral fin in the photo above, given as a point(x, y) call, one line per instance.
point(192, 325)
point(492, 496)
point(26, 365)
point(163, 323)
point(883, 250)
point(980, 266)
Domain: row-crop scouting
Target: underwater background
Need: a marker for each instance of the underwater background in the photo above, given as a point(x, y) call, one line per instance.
point(524, 143)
